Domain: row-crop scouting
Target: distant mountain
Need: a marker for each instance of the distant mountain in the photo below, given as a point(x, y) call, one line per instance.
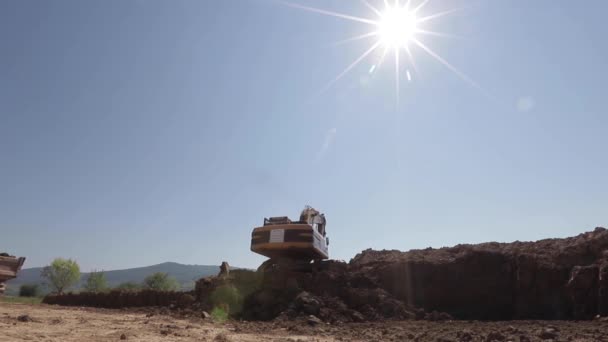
point(185, 275)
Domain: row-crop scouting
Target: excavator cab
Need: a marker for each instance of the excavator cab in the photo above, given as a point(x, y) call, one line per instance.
point(302, 240)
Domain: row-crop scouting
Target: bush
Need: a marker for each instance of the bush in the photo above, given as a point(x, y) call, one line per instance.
point(96, 282)
point(29, 290)
point(130, 286)
point(219, 314)
point(228, 297)
point(161, 282)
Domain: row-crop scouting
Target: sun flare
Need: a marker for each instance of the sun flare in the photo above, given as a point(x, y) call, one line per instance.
point(396, 28)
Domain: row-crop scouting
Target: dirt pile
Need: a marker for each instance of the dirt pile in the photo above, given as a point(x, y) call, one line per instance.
point(332, 293)
point(547, 279)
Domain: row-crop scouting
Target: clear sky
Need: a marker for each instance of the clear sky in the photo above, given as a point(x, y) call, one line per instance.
point(138, 132)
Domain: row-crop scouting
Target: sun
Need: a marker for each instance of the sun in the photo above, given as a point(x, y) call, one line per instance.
point(396, 27)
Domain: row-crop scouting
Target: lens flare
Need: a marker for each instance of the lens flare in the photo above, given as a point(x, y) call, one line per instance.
point(396, 27)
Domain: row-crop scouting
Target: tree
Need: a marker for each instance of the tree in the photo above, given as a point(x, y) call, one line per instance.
point(96, 282)
point(28, 290)
point(61, 274)
point(161, 281)
point(129, 285)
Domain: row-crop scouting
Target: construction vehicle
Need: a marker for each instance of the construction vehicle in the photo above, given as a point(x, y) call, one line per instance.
point(292, 243)
point(9, 267)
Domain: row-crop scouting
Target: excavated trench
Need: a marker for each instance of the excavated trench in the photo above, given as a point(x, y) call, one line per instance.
point(546, 279)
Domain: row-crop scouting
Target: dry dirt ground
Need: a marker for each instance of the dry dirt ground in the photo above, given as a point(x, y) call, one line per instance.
point(53, 323)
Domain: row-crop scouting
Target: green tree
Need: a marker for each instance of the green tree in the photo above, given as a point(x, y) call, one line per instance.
point(61, 274)
point(96, 282)
point(161, 281)
point(129, 285)
point(29, 290)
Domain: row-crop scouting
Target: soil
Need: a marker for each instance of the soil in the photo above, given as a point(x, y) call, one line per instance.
point(554, 279)
point(546, 279)
point(54, 323)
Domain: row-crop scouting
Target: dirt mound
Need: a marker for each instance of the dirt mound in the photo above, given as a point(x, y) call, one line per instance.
point(547, 279)
point(332, 293)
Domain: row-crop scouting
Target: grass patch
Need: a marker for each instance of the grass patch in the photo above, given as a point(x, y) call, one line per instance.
point(21, 300)
point(228, 298)
point(219, 314)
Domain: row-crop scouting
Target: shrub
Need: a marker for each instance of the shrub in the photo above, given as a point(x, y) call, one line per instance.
point(161, 281)
point(219, 314)
point(130, 286)
point(29, 290)
point(228, 297)
point(96, 282)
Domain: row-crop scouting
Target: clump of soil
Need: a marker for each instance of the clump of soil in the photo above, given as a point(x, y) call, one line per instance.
point(24, 318)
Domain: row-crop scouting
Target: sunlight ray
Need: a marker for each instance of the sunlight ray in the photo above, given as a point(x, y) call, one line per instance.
point(352, 65)
point(438, 15)
point(411, 58)
point(366, 3)
point(330, 13)
point(386, 5)
point(383, 56)
point(438, 34)
point(359, 37)
point(446, 64)
point(422, 4)
point(397, 74)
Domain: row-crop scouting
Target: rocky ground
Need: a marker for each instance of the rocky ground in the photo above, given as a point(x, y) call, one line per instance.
point(22, 322)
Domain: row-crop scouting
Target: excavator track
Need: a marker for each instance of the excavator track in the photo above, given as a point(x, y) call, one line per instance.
point(286, 265)
point(287, 273)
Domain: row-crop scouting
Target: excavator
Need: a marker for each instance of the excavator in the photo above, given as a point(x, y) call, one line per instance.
point(296, 245)
point(9, 266)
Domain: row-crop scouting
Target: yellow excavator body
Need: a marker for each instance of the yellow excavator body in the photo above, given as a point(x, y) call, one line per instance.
point(281, 237)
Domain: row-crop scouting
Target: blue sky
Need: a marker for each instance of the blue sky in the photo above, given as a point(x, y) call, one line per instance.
point(137, 132)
